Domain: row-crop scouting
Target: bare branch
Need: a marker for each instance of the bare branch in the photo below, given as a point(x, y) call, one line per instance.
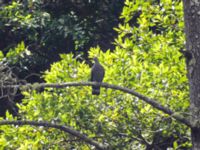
point(148, 100)
point(56, 126)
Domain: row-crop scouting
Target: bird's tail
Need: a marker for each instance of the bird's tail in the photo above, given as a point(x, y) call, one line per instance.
point(95, 90)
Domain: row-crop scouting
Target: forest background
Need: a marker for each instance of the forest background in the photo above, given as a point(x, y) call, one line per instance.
point(137, 41)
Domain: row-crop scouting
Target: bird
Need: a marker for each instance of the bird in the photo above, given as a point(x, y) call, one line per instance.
point(97, 75)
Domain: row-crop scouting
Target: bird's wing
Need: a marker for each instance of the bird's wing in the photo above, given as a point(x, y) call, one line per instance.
point(93, 73)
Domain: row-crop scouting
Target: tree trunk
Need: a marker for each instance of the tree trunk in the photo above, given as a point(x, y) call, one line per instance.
point(192, 31)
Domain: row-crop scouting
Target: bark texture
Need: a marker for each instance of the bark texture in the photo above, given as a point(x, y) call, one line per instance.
point(192, 31)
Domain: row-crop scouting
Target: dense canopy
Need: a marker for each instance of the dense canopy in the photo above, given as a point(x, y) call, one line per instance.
point(136, 41)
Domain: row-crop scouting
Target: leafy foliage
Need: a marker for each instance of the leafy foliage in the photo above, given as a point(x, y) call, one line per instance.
point(146, 59)
point(49, 28)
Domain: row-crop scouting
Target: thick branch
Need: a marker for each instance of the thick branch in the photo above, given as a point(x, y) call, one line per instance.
point(60, 127)
point(148, 100)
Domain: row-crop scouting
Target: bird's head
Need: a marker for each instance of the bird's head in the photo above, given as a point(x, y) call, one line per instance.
point(95, 59)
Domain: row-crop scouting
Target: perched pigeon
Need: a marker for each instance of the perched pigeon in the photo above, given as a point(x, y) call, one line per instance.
point(97, 75)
